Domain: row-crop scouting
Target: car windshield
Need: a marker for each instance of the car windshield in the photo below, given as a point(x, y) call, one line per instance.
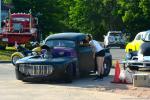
point(60, 43)
point(115, 34)
point(20, 19)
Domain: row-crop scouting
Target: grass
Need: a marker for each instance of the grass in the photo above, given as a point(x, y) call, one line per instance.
point(5, 55)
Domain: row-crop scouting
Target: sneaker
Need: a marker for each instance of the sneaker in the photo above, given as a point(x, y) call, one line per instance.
point(97, 77)
point(101, 77)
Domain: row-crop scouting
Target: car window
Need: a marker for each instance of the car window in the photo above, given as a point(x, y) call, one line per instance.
point(60, 43)
point(138, 37)
point(147, 37)
point(20, 19)
point(84, 43)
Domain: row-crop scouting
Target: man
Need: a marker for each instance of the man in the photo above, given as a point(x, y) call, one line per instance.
point(99, 54)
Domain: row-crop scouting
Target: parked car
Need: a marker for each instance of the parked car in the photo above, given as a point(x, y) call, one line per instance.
point(69, 59)
point(114, 38)
point(134, 46)
point(137, 55)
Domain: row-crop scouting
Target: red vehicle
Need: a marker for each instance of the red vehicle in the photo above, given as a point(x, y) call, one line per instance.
point(20, 28)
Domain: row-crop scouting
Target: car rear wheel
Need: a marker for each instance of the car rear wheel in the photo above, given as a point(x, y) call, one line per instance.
point(107, 67)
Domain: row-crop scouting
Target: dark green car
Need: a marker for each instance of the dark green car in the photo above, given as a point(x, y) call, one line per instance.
point(68, 59)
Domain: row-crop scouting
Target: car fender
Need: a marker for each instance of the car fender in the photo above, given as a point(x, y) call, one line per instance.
point(130, 47)
point(133, 46)
point(37, 49)
point(17, 54)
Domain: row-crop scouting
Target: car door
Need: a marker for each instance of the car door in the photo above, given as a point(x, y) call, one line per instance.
point(85, 58)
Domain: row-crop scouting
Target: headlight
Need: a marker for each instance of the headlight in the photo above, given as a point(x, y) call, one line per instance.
point(128, 56)
point(34, 53)
point(122, 40)
point(33, 30)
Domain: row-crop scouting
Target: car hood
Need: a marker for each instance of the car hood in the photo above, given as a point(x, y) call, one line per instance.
point(40, 60)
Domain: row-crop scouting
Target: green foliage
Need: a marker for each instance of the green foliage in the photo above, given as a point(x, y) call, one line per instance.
point(88, 16)
point(93, 16)
point(135, 14)
point(48, 12)
point(5, 55)
point(7, 1)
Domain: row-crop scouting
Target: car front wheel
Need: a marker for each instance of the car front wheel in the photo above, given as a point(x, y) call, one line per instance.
point(107, 67)
point(19, 75)
point(14, 59)
point(69, 73)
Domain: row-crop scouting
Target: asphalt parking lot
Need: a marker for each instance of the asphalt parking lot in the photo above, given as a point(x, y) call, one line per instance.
point(83, 88)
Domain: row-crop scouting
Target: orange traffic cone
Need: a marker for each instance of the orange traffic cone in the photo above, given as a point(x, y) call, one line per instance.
point(117, 73)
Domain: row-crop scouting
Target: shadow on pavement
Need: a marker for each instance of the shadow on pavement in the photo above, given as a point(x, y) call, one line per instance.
point(89, 83)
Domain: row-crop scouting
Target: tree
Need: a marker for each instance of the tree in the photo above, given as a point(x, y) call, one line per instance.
point(48, 12)
point(88, 16)
point(135, 15)
point(7, 1)
point(93, 16)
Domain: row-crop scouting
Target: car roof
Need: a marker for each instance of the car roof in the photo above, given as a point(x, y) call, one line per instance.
point(144, 32)
point(66, 36)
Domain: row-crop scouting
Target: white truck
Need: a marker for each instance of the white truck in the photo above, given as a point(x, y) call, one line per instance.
point(114, 39)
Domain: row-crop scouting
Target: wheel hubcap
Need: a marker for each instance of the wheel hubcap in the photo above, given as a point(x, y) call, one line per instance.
point(15, 59)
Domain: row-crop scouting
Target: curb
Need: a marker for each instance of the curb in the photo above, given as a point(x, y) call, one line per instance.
point(5, 61)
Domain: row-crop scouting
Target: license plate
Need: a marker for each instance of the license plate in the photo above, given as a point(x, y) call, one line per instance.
point(5, 39)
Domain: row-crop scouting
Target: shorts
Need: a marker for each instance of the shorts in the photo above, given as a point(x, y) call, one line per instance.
point(100, 54)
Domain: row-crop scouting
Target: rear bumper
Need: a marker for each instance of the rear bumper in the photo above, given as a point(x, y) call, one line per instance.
point(20, 38)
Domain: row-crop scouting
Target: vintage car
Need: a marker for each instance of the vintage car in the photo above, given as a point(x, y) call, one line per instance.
point(133, 47)
point(114, 39)
point(137, 52)
point(69, 58)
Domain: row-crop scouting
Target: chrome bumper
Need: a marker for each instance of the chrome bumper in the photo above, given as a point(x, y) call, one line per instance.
point(136, 63)
point(29, 69)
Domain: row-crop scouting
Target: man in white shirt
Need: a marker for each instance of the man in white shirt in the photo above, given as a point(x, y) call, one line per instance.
point(99, 54)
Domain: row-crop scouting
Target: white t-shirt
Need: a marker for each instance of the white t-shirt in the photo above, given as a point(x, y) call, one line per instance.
point(96, 46)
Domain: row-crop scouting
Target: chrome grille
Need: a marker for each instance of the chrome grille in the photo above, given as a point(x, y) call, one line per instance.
point(29, 69)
